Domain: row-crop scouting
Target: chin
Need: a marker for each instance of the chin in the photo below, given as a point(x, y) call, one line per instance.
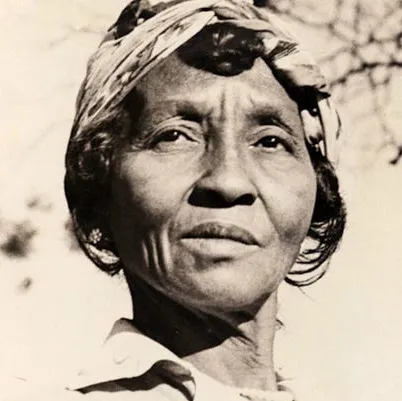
point(227, 288)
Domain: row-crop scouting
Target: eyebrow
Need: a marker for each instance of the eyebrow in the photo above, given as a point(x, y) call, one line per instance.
point(187, 109)
point(190, 106)
point(195, 109)
point(269, 116)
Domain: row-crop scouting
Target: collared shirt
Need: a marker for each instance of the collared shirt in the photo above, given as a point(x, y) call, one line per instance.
point(132, 367)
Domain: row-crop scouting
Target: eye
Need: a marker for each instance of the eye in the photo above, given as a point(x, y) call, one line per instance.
point(171, 140)
point(171, 136)
point(270, 143)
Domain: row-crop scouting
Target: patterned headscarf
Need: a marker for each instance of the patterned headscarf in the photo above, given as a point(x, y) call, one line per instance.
point(144, 35)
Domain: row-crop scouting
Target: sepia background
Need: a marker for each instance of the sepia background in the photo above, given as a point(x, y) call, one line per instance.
point(342, 338)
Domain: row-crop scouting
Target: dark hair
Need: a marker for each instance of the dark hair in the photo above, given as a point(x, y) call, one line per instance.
point(224, 50)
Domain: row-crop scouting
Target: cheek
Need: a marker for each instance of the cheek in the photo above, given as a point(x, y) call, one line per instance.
point(149, 191)
point(143, 202)
point(291, 206)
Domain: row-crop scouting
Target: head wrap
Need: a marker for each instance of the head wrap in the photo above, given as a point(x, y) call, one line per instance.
point(144, 35)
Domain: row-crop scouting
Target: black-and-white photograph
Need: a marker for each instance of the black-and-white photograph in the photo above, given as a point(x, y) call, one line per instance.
point(201, 200)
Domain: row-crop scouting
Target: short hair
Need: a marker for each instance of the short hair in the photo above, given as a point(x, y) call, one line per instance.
point(223, 50)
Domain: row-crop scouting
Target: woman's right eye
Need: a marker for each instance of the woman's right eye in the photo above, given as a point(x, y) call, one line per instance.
point(170, 136)
point(172, 140)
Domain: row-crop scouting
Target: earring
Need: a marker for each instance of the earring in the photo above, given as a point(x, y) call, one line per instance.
point(96, 246)
point(95, 236)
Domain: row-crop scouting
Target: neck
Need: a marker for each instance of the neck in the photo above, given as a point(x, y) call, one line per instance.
point(236, 348)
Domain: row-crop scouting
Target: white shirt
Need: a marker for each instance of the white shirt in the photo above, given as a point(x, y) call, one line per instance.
point(132, 367)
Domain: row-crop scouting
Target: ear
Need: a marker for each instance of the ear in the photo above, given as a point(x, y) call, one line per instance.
point(98, 246)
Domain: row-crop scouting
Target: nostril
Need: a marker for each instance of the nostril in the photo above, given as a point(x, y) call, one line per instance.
point(246, 199)
point(206, 198)
point(203, 197)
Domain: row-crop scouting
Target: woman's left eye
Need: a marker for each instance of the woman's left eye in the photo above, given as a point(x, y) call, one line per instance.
point(270, 142)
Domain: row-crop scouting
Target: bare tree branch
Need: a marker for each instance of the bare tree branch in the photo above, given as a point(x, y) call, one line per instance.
point(366, 45)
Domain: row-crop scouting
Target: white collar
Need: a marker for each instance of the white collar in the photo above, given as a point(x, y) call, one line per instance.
point(129, 353)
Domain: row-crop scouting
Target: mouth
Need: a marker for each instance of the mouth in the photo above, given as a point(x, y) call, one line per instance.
point(217, 241)
point(214, 230)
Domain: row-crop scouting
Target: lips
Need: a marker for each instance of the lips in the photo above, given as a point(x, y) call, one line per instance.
point(214, 230)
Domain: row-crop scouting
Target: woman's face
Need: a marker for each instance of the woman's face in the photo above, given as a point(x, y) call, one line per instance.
point(213, 192)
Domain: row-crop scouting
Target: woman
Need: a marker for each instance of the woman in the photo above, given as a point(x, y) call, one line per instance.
point(199, 166)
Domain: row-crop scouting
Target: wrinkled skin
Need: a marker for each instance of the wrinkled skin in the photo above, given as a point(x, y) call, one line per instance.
point(206, 148)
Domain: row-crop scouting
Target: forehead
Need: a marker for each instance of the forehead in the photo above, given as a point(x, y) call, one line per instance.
point(174, 85)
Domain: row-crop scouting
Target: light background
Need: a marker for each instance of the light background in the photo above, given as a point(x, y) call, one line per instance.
point(343, 335)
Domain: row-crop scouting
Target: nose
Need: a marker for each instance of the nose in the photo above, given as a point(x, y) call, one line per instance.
point(226, 182)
